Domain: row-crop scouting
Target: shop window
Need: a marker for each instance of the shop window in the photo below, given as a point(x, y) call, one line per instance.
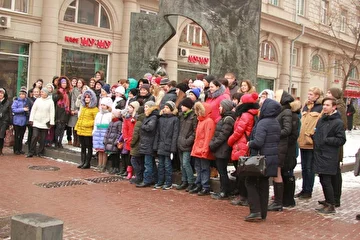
point(317, 63)
point(14, 66)
point(354, 73)
point(194, 35)
point(267, 51)
point(82, 64)
point(15, 5)
point(89, 12)
point(324, 8)
point(301, 7)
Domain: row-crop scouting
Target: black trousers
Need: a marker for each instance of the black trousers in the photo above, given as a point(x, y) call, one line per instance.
point(19, 136)
point(336, 181)
point(39, 135)
point(328, 188)
point(221, 165)
point(258, 194)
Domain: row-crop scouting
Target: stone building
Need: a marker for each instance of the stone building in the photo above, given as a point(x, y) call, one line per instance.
point(42, 38)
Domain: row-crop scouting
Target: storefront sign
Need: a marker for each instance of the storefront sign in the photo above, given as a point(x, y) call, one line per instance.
point(89, 42)
point(197, 59)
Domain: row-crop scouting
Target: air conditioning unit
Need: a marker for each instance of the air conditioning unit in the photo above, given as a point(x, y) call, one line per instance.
point(5, 21)
point(183, 52)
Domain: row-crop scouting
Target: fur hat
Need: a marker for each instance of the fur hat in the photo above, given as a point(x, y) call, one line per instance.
point(270, 93)
point(146, 86)
point(106, 87)
point(120, 89)
point(295, 105)
point(249, 98)
point(171, 105)
point(150, 103)
point(209, 78)
point(187, 102)
point(116, 112)
point(227, 105)
point(336, 92)
point(135, 105)
point(183, 87)
point(106, 101)
point(196, 92)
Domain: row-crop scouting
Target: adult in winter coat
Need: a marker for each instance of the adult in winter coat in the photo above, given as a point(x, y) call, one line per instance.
point(220, 148)
point(42, 117)
point(350, 111)
point(21, 111)
point(84, 126)
point(147, 133)
point(329, 136)
point(309, 117)
point(201, 150)
point(137, 160)
point(284, 118)
point(5, 116)
point(215, 95)
point(188, 123)
point(265, 141)
point(74, 109)
point(245, 121)
point(145, 95)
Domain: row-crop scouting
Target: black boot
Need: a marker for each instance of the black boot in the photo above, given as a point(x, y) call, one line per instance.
point(182, 186)
point(83, 156)
point(122, 171)
point(277, 204)
point(289, 191)
point(87, 161)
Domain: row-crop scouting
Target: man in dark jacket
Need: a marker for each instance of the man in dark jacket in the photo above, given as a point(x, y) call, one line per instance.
point(329, 136)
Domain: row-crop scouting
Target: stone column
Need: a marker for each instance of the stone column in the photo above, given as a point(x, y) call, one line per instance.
point(330, 72)
point(48, 50)
point(129, 7)
point(169, 52)
point(305, 83)
point(285, 67)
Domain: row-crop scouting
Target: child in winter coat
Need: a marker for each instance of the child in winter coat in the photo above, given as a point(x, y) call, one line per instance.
point(188, 123)
point(101, 124)
point(200, 150)
point(127, 131)
point(137, 161)
point(220, 148)
point(111, 136)
point(165, 144)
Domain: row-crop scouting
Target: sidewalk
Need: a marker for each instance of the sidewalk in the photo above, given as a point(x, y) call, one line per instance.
point(118, 210)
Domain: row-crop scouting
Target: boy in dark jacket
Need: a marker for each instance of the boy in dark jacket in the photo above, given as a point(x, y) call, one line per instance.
point(137, 161)
point(165, 144)
point(220, 148)
point(188, 123)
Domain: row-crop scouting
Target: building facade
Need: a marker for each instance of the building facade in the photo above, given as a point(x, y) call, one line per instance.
point(42, 39)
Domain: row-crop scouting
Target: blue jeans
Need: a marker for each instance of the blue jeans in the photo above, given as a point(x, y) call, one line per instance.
point(187, 174)
point(138, 165)
point(202, 167)
point(164, 170)
point(150, 173)
point(307, 170)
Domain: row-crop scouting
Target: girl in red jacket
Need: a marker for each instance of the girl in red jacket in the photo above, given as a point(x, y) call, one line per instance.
point(200, 150)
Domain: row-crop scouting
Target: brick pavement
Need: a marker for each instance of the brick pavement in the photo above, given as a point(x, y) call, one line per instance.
point(120, 211)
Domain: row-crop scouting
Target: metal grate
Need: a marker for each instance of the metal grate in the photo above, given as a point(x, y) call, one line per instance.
point(44, 168)
point(58, 184)
point(104, 179)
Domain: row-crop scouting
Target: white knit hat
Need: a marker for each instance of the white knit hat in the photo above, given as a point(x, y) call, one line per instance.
point(120, 90)
point(106, 101)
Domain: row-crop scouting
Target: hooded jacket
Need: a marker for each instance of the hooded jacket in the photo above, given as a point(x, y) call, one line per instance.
point(136, 135)
point(132, 84)
point(85, 124)
point(214, 99)
point(127, 130)
point(188, 124)
point(20, 117)
point(204, 132)
point(328, 138)
point(112, 135)
point(148, 131)
point(266, 136)
point(169, 96)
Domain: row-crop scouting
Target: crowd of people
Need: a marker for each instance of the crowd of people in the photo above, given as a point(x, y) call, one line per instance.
point(198, 126)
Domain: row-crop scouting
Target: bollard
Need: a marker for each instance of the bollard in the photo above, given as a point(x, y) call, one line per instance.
point(35, 226)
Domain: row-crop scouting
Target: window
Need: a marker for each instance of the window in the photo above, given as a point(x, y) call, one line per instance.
point(263, 83)
point(338, 68)
point(343, 21)
point(88, 12)
point(323, 11)
point(274, 2)
point(148, 12)
point(15, 5)
point(353, 74)
point(267, 51)
point(194, 35)
point(317, 63)
point(82, 64)
point(300, 7)
point(295, 57)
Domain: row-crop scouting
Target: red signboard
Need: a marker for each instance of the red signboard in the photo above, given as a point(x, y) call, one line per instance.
point(197, 59)
point(89, 42)
point(351, 94)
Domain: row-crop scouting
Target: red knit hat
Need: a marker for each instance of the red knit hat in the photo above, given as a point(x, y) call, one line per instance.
point(157, 80)
point(250, 98)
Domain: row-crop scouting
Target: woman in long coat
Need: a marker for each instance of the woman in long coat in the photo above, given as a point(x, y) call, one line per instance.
point(5, 115)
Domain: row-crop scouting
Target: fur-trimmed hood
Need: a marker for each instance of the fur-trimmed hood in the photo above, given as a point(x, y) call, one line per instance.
point(154, 110)
point(217, 93)
point(202, 110)
point(295, 106)
point(93, 98)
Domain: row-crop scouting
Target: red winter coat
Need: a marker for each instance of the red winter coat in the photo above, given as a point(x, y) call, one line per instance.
point(214, 100)
point(127, 131)
point(204, 132)
point(238, 140)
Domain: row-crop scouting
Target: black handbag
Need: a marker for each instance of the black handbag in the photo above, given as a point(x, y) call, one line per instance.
point(252, 166)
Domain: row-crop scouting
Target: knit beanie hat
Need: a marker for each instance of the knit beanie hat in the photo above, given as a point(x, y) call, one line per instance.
point(183, 87)
point(116, 112)
point(2, 90)
point(171, 105)
point(336, 92)
point(200, 76)
point(134, 91)
point(45, 90)
point(49, 85)
point(135, 105)
point(106, 101)
point(209, 78)
point(227, 105)
point(164, 81)
point(120, 89)
point(146, 86)
point(196, 92)
point(249, 98)
point(106, 87)
point(23, 90)
point(148, 76)
point(150, 103)
point(157, 80)
point(187, 102)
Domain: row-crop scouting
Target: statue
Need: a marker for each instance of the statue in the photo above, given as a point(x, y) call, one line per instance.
point(154, 64)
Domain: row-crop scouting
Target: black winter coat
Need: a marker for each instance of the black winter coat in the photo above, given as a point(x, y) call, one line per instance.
point(188, 123)
point(5, 115)
point(135, 141)
point(290, 159)
point(112, 136)
point(143, 99)
point(328, 138)
point(148, 132)
point(285, 119)
point(224, 129)
point(266, 136)
point(169, 96)
point(166, 135)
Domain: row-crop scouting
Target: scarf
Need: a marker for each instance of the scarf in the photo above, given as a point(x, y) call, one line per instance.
point(64, 102)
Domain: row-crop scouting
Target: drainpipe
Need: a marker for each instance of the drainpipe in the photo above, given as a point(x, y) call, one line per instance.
point(291, 56)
